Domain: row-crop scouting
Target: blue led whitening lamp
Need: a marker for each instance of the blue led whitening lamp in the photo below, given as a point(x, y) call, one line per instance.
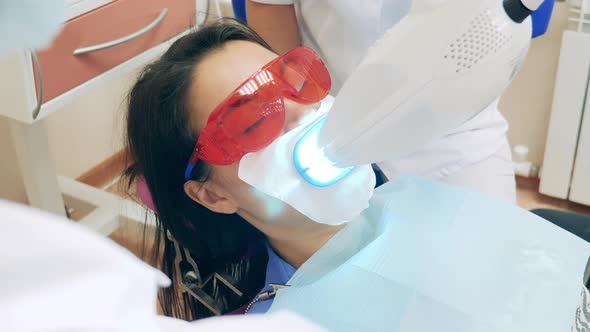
point(311, 162)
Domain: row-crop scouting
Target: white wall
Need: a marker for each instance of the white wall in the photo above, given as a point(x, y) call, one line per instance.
point(527, 102)
point(11, 185)
point(89, 130)
point(81, 134)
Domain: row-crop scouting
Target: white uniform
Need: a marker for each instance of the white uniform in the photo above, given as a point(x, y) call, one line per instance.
point(475, 155)
point(69, 278)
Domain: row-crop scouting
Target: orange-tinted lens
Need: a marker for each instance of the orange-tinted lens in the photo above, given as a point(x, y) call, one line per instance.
point(256, 123)
point(306, 77)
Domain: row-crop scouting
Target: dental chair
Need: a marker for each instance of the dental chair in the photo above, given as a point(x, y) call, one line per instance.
point(575, 223)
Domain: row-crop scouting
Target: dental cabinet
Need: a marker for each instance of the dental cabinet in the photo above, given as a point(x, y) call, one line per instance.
point(566, 166)
point(100, 41)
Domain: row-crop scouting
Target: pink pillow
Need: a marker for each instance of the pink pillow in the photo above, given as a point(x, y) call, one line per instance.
point(143, 192)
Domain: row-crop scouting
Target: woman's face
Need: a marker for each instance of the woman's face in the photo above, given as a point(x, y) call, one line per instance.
point(216, 76)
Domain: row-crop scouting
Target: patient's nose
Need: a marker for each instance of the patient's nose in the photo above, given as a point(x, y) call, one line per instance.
point(294, 113)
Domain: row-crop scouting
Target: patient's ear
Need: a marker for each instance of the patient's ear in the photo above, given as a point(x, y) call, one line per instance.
point(211, 196)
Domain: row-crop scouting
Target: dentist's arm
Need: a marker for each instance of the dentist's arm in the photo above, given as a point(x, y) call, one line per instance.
point(275, 21)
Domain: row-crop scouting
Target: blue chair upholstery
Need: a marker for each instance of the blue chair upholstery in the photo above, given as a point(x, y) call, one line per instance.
point(577, 224)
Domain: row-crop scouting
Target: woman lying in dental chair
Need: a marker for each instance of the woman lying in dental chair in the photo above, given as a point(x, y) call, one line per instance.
point(422, 256)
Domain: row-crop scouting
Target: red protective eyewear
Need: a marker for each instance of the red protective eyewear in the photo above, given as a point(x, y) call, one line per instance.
point(253, 115)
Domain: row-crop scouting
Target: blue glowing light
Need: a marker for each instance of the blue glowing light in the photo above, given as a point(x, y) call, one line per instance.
point(311, 162)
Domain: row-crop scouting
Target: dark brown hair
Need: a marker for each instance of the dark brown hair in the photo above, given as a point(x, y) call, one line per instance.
point(160, 141)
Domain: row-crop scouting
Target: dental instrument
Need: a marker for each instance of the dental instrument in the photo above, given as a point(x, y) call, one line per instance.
point(438, 67)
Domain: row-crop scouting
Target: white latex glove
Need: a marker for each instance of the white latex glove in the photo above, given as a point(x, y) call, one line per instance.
point(29, 23)
point(56, 275)
point(282, 321)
